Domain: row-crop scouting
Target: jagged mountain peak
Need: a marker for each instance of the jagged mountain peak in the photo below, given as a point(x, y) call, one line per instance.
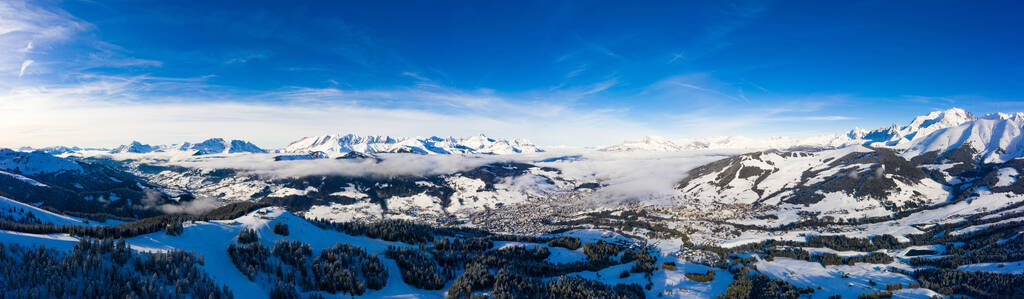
point(135, 147)
point(902, 137)
point(945, 118)
point(995, 138)
point(221, 146)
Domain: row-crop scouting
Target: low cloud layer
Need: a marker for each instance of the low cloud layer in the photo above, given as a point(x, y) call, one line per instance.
point(647, 177)
point(393, 165)
point(194, 207)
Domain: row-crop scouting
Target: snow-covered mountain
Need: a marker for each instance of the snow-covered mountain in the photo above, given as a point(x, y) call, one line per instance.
point(221, 146)
point(994, 138)
point(901, 137)
point(479, 144)
point(207, 147)
point(943, 156)
point(135, 147)
point(895, 136)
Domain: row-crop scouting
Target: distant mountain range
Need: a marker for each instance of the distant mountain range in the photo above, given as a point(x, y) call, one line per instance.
point(994, 136)
point(478, 144)
point(335, 145)
point(207, 147)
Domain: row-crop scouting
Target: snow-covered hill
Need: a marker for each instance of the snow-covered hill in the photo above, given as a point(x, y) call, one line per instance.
point(479, 144)
point(850, 182)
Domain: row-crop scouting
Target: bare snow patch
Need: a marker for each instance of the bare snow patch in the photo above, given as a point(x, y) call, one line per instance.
point(1006, 177)
point(351, 192)
point(336, 212)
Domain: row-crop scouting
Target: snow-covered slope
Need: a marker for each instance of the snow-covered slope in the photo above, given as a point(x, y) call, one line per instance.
point(848, 182)
point(34, 163)
point(480, 144)
point(21, 212)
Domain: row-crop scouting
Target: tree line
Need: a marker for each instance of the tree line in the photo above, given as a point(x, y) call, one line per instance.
point(103, 269)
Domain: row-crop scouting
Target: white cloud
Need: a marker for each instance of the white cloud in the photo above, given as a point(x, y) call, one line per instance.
point(25, 26)
point(110, 110)
point(194, 207)
point(24, 65)
point(106, 111)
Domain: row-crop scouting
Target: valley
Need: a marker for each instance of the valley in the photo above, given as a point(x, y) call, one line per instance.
point(933, 208)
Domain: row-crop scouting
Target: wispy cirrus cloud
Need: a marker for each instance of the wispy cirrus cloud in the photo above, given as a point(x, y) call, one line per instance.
point(24, 28)
point(246, 57)
point(24, 66)
point(37, 39)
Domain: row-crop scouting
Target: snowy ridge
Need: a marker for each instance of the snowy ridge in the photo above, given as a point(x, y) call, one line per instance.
point(479, 144)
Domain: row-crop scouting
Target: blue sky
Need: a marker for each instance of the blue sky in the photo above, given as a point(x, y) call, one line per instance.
point(557, 72)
